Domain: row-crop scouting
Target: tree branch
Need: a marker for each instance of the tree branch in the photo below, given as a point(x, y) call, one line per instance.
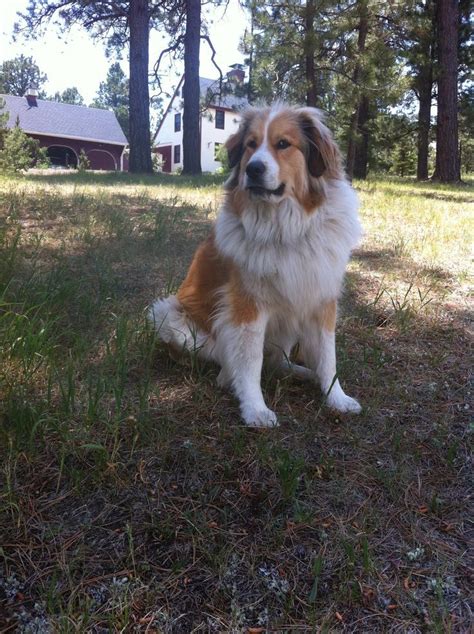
point(173, 47)
point(211, 46)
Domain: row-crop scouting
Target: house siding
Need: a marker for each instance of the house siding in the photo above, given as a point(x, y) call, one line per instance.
point(167, 136)
point(102, 156)
point(209, 134)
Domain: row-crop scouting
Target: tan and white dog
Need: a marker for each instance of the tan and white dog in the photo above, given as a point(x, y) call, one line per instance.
point(269, 275)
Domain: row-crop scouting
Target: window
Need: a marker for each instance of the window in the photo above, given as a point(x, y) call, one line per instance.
point(177, 154)
point(217, 147)
point(220, 119)
point(177, 122)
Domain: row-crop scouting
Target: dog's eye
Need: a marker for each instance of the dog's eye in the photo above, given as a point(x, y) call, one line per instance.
point(282, 144)
point(252, 144)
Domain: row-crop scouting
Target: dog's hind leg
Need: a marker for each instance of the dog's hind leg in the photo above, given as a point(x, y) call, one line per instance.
point(281, 339)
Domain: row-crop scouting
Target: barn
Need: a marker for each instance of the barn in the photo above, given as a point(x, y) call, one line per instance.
point(65, 130)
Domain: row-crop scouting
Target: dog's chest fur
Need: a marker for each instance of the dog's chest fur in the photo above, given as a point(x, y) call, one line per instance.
point(287, 256)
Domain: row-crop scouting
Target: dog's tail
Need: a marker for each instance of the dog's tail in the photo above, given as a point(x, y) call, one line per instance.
point(174, 327)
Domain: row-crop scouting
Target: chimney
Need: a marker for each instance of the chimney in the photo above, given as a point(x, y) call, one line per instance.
point(31, 95)
point(237, 74)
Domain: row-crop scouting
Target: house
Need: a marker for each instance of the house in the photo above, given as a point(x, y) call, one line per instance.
point(65, 130)
point(219, 119)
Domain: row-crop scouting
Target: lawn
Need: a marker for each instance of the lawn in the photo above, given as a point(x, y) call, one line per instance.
point(133, 499)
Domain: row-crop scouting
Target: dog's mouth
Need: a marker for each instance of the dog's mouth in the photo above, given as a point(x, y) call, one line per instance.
point(262, 192)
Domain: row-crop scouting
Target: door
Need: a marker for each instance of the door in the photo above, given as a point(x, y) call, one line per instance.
point(165, 152)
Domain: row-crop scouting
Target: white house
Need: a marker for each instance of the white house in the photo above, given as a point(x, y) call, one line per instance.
point(219, 119)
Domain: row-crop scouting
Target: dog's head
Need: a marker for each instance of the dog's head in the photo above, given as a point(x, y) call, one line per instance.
point(283, 152)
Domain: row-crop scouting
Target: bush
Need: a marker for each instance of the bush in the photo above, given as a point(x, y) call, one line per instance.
point(83, 162)
point(157, 161)
point(20, 152)
point(223, 158)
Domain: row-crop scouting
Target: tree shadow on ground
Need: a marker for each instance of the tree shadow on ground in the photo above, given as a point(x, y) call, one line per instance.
point(192, 508)
point(112, 179)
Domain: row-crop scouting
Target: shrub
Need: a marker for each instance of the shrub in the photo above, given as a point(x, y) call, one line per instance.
point(83, 162)
point(223, 158)
point(157, 161)
point(20, 152)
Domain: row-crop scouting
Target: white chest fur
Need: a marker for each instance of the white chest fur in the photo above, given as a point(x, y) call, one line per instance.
point(285, 254)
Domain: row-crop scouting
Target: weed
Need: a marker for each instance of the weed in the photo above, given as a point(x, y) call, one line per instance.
point(289, 470)
point(316, 571)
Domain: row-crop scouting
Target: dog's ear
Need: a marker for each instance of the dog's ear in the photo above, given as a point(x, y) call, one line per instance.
point(323, 156)
point(235, 145)
point(235, 150)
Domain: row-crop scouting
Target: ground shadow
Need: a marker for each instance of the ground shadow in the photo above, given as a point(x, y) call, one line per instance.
point(112, 179)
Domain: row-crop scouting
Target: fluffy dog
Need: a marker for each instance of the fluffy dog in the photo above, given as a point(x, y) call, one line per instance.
point(269, 275)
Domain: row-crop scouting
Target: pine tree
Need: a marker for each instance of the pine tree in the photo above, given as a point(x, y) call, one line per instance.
point(19, 74)
point(19, 152)
point(191, 89)
point(186, 28)
point(447, 168)
point(69, 95)
point(113, 95)
point(340, 56)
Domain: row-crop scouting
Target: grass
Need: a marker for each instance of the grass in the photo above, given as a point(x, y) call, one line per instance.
point(133, 499)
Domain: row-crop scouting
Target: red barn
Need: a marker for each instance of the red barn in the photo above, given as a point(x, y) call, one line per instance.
point(65, 130)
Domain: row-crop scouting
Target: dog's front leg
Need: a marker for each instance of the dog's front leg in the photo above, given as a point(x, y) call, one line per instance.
point(319, 351)
point(241, 356)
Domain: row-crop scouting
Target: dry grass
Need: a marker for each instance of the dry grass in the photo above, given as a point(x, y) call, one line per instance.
point(132, 497)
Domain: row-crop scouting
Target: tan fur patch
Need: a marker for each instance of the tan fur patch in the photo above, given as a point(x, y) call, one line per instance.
point(242, 305)
point(292, 162)
point(327, 315)
point(237, 199)
point(208, 272)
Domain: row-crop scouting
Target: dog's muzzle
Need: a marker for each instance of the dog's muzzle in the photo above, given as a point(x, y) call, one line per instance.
point(255, 172)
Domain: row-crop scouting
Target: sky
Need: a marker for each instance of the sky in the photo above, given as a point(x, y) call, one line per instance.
point(74, 59)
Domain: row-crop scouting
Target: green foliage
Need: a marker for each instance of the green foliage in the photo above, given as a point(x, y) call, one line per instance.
point(83, 162)
point(466, 126)
point(20, 152)
point(157, 161)
point(113, 95)
point(394, 147)
point(3, 122)
point(70, 95)
point(18, 74)
point(313, 53)
point(223, 158)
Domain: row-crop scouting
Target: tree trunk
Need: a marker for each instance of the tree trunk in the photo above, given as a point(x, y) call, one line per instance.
point(361, 156)
point(447, 150)
point(425, 84)
point(363, 29)
point(140, 139)
point(424, 88)
point(351, 145)
point(309, 50)
point(191, 91)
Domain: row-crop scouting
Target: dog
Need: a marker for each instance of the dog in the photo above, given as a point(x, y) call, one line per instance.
point(270, 273)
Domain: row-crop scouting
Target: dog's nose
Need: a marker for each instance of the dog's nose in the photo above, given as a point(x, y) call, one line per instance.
point(255, 169)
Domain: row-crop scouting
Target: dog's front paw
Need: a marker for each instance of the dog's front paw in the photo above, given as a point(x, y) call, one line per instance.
point(259, 417)
point(343, 403)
